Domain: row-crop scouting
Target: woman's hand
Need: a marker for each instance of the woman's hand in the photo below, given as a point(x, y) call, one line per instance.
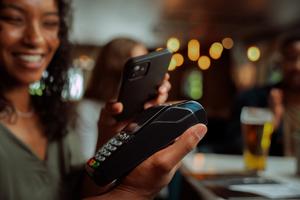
point(108, 126)
point(146, 180)
point(157, 171)
point(163, 91)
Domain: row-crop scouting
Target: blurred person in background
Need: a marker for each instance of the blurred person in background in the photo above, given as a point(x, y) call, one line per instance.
point(39, 154)
point(103, 87)
point(282, 98)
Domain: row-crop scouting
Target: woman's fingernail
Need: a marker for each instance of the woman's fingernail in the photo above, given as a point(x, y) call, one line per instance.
point(200, 131)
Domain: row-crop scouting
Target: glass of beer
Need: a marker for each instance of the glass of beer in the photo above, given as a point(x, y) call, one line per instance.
point(257, 129)
point(297, 150)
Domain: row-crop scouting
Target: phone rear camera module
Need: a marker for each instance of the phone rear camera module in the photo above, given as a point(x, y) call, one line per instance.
point(139, 70)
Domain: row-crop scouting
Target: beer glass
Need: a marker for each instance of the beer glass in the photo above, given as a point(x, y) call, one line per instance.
point(257, 129)
point(297, 150)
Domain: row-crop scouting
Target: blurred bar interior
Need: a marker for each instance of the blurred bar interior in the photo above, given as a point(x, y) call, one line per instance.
point(220, 47)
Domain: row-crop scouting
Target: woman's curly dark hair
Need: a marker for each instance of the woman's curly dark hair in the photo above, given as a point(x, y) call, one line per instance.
point(53, 111)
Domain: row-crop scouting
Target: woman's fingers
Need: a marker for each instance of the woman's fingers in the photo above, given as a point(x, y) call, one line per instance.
point(163, 91)
point(113, 108)
point(173, 154)
point(165, 86)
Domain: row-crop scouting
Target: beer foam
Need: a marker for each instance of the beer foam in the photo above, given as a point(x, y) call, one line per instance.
point(255, 115)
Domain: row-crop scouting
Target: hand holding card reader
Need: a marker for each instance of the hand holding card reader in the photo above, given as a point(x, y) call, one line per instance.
point(152, 130)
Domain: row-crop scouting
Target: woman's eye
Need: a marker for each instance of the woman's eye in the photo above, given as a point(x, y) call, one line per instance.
point(12, 20)
point(51, 23)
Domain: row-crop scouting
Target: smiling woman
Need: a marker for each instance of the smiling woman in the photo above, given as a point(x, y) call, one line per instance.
point(30, 39)
point(32, 34)
point(40, 157)
point(33, 38)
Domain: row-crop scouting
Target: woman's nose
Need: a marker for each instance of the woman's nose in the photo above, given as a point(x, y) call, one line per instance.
point(33, 36)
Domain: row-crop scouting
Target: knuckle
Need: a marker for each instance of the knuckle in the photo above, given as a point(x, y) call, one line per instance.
point(170, 85)
point(161, 164)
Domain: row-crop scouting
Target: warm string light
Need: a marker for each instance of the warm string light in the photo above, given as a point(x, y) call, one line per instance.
point(253, 53)
point(204, 62)
point(193, 84)
point(227, 43)
point(172, 65)
point(215, 50)
point(193, 52)
point(173, 44)
point(178, 59)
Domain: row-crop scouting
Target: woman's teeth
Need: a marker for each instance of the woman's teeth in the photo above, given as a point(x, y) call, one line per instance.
point(31, 58)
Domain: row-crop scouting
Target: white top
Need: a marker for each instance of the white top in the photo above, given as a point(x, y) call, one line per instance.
point(88, 112)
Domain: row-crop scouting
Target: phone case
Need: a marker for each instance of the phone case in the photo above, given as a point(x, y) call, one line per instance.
point(150, 131)
point(141, 77)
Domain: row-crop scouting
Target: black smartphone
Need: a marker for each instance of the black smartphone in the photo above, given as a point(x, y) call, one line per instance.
point(140, 80)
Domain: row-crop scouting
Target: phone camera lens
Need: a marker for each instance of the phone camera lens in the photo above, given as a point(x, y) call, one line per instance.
point(137, 68)
point(134, 75)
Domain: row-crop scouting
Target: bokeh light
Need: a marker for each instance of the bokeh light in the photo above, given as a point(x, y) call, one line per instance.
point(204, 62)
point(244, 76)
point(227, 43)
point(178, 59)
point(253, 53)
point(172, 65)
point(194, 87)
point(215, 51)
point(173, 44)
point(193, 50)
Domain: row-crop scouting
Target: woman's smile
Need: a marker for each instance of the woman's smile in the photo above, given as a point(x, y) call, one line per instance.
point(30, 61)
